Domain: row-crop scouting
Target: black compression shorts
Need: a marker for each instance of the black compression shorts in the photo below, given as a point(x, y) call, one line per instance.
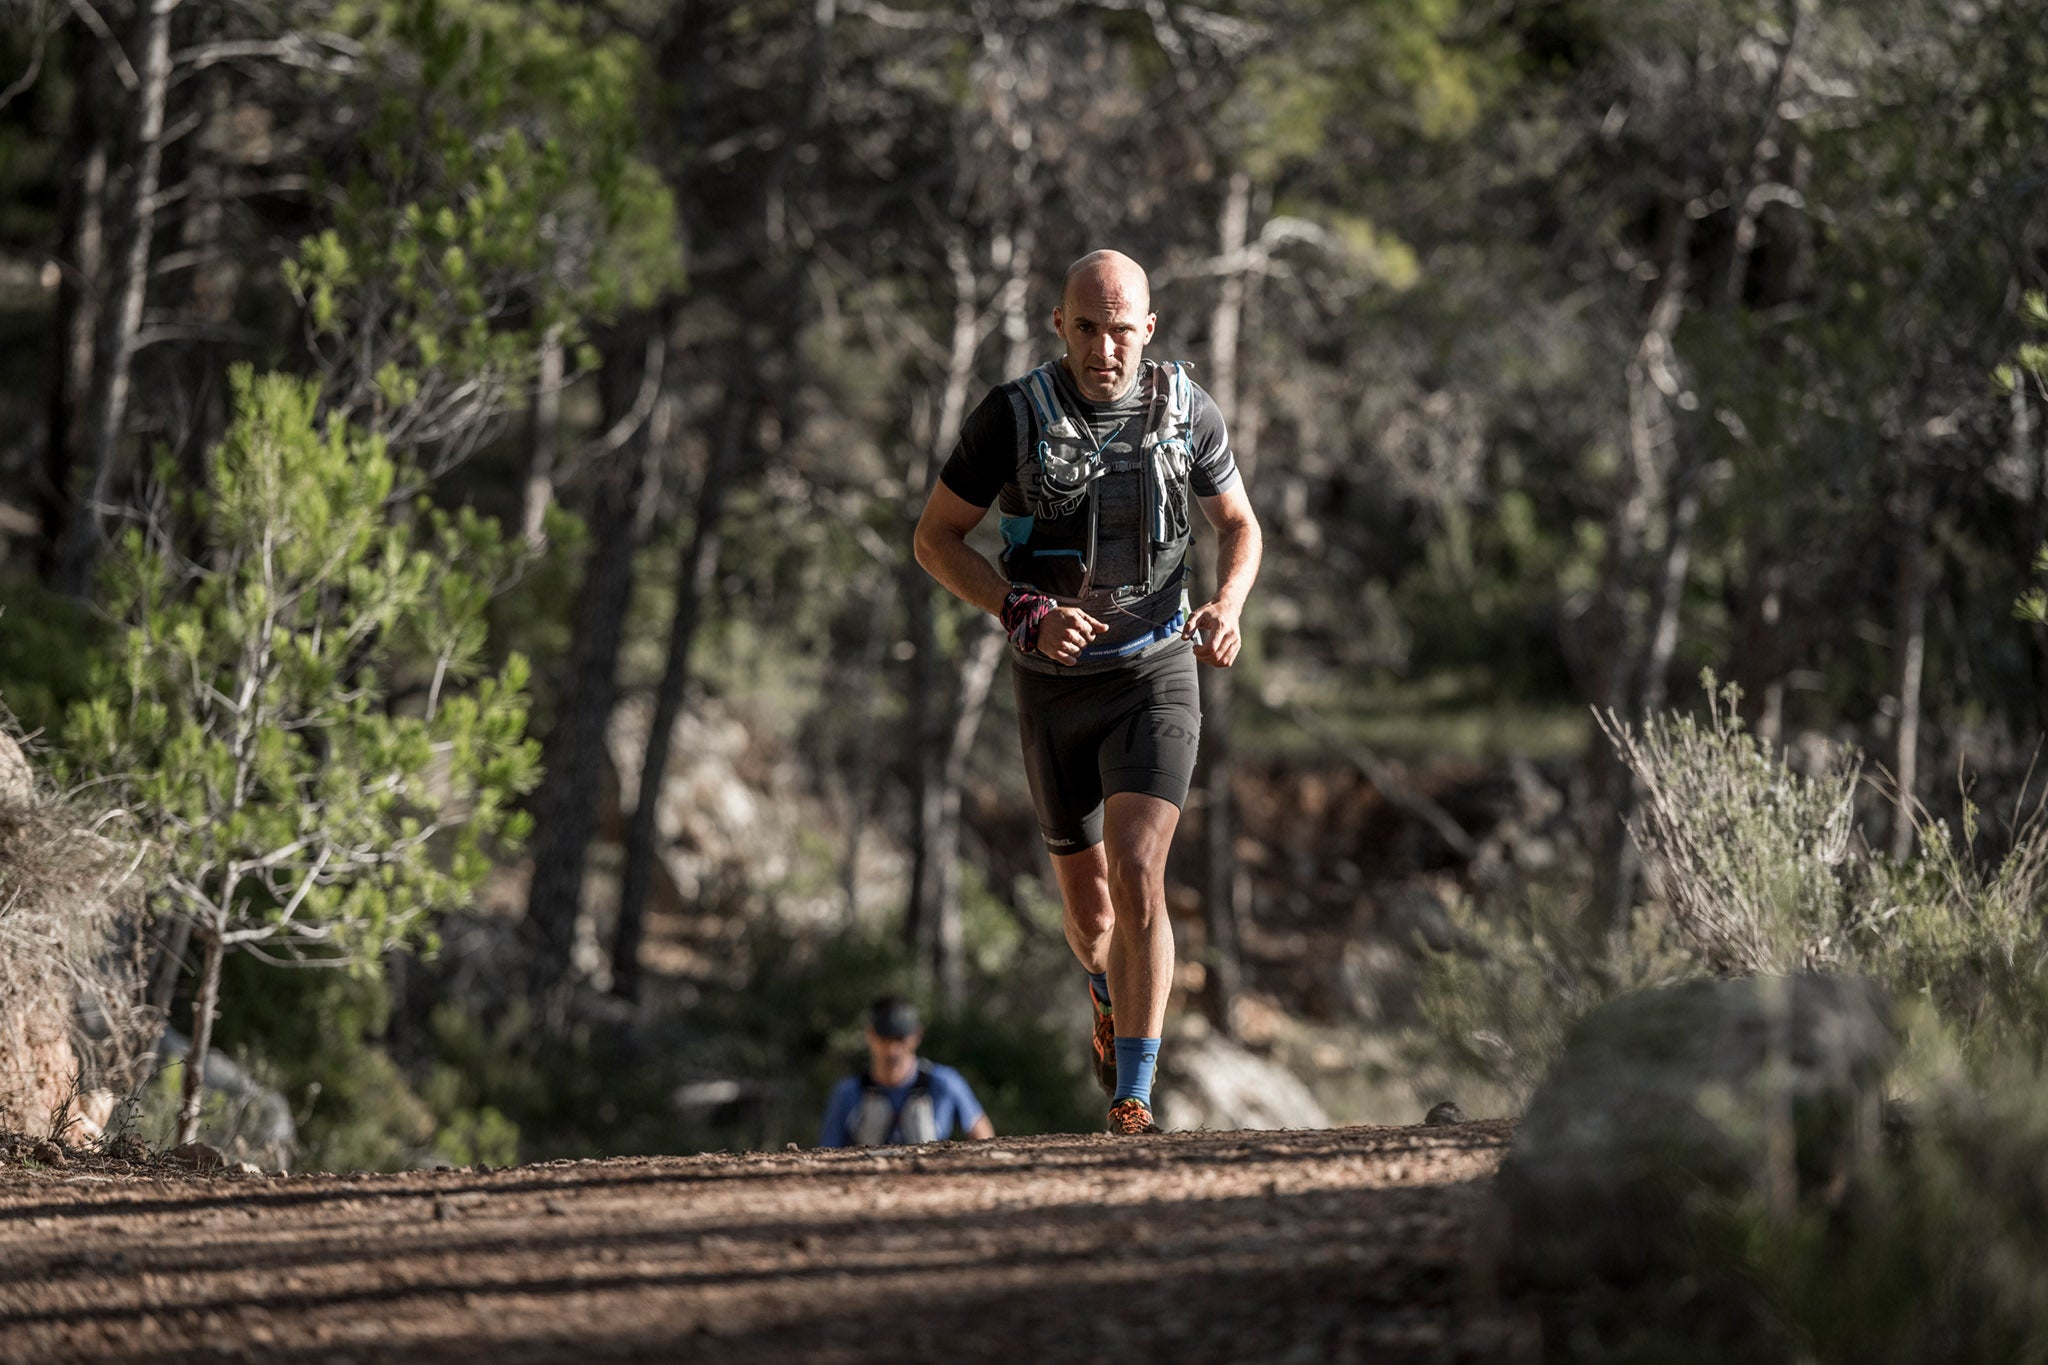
point(1088, 735)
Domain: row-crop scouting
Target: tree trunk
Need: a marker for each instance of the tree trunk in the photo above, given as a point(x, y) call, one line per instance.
point(773, 305)
point(1681, 517)
point(82, 256)
point(213, 281)
point(923, 725)
point(168, 965)
point(932, 919)
point(1618, 623)
point(543, 429)
point(860, 786)
point(566, 804)
point(1221, 911)
point(693, 578)
point(205, 1004)
point(977, 676)
point(1909, 643)
point(121, 315)
point(1762, 677)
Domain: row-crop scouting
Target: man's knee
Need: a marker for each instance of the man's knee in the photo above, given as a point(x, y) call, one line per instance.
point(1137, 883)
point(1091, 915)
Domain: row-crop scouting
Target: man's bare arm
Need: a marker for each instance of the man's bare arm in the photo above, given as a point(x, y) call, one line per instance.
point(942, 548)
point(1239, 546)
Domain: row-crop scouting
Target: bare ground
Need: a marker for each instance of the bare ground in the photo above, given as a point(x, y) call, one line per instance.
point(1337, 1245)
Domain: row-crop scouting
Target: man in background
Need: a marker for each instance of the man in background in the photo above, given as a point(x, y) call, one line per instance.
point(900, 1097)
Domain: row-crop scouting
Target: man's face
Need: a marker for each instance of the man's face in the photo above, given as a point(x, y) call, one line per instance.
point(1105, 324)
point(892, 1057)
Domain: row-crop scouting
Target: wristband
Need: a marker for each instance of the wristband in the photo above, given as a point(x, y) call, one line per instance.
point(1024, 610)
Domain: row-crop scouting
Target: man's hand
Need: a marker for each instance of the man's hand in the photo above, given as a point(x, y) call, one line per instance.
point(1216, 625)
point(1065, 632)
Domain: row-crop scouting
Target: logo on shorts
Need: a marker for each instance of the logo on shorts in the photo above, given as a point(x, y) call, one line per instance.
point(1166, 729)
point(1058, 842)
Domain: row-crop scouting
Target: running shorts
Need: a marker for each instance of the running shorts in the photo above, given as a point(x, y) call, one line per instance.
point(1088, 735)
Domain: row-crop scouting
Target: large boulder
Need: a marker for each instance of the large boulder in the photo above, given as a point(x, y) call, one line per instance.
point(1207, 1081)
point(250, 1122)
point(1667, 1098)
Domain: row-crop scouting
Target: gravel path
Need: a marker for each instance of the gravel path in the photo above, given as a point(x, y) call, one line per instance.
point(1351, 1244)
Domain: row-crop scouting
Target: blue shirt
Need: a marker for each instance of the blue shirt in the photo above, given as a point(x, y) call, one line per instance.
point(954, 1107)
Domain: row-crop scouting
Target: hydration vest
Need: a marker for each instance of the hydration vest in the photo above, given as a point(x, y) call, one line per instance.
point(878, 1121)
point(1052, 546)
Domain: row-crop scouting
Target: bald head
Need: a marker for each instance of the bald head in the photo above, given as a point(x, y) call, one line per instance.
point(1105, 317)
point(1110, 277)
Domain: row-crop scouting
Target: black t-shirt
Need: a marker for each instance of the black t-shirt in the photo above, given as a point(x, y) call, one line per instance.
point(983, 470)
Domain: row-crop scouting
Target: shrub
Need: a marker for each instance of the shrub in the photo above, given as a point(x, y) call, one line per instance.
point(1967, 939)
point(1496, 1010)
point(1752, 867)
point(1742, 850)
point(1937, 1249)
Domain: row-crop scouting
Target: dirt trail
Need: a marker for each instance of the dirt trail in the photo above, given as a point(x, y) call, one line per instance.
point(1328, 1245)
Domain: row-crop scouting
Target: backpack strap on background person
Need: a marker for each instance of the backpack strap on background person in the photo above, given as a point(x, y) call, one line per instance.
point(878, 1120)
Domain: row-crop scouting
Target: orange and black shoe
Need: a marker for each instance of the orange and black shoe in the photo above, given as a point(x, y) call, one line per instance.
point(1104, 1043)
point(1131, 1118)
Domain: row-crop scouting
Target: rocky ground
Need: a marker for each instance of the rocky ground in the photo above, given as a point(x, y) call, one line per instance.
point(1332, 1245)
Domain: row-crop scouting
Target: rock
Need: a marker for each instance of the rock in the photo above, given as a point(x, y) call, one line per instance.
point(17, 779)
point(87, 1116)
point(47, 1153)
point(255, 1123)
point(1443, 1112)
point(1416, 915)
point(1376, 979)
point(1377, 970)
point(1668, 1097)
point(1211, 1082)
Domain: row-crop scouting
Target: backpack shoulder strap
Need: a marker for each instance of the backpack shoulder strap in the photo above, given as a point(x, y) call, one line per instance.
point(1045, 403)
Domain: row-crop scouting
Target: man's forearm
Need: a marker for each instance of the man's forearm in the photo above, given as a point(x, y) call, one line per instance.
point(963, 571)
point(1238, 549)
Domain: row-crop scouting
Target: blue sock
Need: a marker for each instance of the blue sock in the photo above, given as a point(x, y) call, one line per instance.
point(1100, 980)
point(1136, 1060)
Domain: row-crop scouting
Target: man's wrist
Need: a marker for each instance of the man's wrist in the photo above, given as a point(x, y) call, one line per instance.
point(1024, 611)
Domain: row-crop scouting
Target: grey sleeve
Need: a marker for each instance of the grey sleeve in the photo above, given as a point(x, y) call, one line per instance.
point(1214, 468)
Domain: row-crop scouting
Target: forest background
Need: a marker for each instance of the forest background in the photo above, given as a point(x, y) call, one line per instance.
point(423, 419)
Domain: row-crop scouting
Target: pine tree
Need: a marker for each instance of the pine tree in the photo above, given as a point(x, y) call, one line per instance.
point(288, 716)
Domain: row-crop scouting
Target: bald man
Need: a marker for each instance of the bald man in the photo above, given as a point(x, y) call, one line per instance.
point(1095, 459)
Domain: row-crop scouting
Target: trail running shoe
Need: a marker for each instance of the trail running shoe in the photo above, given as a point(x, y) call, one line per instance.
point(1104, 1044)
point(1129, 1118)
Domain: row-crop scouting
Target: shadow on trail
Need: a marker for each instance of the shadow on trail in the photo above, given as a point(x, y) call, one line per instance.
point(1061, 1253)
point(945, 1159)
